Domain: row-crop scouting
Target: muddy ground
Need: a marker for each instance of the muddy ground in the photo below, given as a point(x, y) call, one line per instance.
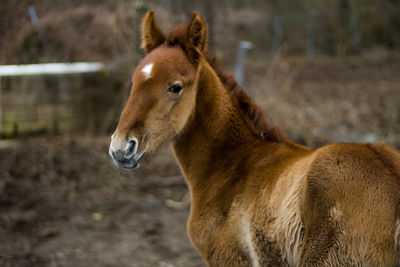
point(63, 203)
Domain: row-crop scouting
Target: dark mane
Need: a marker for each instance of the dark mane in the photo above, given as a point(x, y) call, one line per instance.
point(251, 110)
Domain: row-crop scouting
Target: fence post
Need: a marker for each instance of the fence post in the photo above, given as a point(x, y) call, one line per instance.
point(209, 13)
point(277, 33)
point(310, 46)
point(354, 31)
point(1, 107)
point(35, 21)
point(141, 9)
point(241, 57)
point(54, 102)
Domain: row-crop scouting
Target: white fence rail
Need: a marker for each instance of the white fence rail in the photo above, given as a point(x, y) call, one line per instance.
point(50, 68)
point(50, 96)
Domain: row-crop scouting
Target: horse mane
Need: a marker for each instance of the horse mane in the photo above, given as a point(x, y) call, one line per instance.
point(249, 108)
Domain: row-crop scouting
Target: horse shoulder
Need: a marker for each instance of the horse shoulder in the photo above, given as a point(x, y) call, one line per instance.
point(286, 227)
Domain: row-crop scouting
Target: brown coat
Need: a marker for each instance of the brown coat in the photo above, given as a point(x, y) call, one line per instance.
point(257, 198)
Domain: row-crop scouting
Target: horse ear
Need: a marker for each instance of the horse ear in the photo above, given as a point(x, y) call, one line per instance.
point(152, 35)
point(197, 37)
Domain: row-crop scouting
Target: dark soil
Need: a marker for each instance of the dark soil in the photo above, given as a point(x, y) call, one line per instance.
point(62, 203)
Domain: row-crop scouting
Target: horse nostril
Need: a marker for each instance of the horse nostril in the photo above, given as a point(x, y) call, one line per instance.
point(117, 155)
point(131, 148)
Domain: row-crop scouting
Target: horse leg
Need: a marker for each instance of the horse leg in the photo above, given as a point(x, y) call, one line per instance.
point(320, 245)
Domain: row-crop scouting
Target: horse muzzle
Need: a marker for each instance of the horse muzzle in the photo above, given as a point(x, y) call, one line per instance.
point(125, 152)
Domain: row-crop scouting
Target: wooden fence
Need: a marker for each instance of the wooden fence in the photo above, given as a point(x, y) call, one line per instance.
point(57, 98)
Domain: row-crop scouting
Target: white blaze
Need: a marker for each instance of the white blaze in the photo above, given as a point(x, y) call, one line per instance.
point(147, 70)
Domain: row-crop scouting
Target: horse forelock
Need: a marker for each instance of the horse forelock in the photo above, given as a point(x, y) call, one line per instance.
point(252, 111)
point(178, 36)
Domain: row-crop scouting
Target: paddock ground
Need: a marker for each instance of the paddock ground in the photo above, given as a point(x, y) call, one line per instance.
point(63, 203)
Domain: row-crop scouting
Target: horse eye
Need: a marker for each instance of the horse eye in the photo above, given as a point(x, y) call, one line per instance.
point(176, 88)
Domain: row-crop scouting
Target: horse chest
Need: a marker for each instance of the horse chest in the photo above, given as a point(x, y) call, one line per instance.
point(274, 236)
point(217, 241)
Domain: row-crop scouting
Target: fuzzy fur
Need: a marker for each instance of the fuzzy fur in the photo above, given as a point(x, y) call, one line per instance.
point(257, 198)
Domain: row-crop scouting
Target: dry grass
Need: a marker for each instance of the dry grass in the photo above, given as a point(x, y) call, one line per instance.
point(328, 100)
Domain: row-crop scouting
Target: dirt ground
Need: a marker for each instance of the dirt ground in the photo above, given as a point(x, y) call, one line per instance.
point(63, 203)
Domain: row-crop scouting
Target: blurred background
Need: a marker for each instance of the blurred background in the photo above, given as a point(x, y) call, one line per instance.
point(325, 71)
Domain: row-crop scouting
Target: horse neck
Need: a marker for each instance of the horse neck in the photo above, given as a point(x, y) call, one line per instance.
point(215, 131)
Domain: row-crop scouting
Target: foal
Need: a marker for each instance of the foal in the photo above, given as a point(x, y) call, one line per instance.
point(257, 198)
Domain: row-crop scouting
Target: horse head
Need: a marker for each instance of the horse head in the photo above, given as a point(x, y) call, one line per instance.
point(163, 90)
